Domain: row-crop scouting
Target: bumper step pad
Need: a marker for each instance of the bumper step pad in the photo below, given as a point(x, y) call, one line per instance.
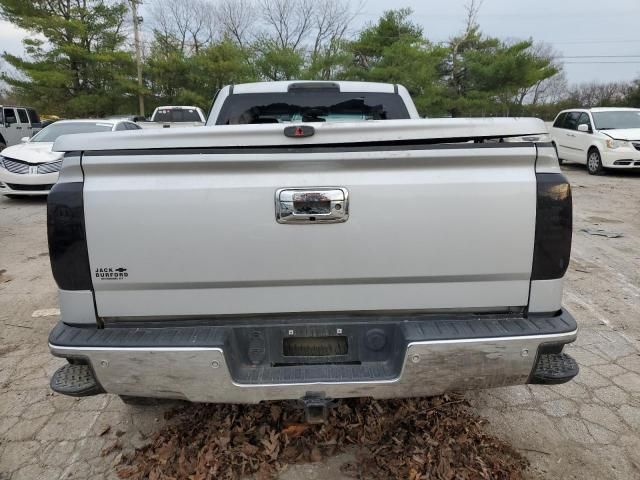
point(76, 381)
point(554, 368)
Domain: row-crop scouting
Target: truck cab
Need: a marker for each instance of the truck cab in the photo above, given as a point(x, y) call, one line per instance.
point(173, 116)
point(311, 101)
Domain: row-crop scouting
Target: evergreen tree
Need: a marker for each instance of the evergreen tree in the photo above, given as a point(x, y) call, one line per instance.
point(175, 77)
point(394, 50)
point(483, 75)
point(78, 63)
point(80, 67)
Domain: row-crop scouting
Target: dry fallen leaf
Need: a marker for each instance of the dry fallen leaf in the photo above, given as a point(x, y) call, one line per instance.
point(420, 438)
point(276, 411)
point(295, 429)
point(127, 472)
point(110, 448)
point(315, 455)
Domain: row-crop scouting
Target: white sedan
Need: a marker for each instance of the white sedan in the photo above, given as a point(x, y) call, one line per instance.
point(598, 137)
point(31, 168)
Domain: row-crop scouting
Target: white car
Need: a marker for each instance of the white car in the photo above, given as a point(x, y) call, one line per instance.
point(31, 168)
point(598, 137)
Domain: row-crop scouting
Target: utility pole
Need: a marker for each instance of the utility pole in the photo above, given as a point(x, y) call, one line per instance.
point(136, 36)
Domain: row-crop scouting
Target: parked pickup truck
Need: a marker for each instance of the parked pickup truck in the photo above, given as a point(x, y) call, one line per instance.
point(175, 116)
point(295, 250)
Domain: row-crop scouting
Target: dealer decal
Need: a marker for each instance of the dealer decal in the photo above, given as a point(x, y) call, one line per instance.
point(109, 273)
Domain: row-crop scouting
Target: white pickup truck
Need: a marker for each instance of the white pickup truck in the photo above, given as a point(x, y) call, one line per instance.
point(316, 241)
point(175, 116)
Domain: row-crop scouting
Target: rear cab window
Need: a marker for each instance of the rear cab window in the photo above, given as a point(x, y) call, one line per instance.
point(310, 106)
point(177, 115)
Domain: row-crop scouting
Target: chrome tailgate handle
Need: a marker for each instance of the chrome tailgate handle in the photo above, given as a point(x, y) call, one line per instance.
point(312, 205)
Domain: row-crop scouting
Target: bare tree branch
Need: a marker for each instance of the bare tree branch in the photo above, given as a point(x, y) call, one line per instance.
point(473, 9)
point(548, 89)
point(190, 23)
point(237, 18)
point(331, 21)
point(289, 20)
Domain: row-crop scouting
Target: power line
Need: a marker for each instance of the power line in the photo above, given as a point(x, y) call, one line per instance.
point(601, 63)
point(589, 42)
point(599, 56)
point(553, 42)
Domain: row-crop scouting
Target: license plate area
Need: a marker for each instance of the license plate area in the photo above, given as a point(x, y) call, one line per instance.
point(315, 347)
point(288, 348)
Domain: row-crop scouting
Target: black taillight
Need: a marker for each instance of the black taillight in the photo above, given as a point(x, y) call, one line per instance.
point(554, 220)
point(67, 238)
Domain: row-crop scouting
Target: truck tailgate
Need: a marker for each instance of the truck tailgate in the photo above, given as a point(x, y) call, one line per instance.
point(194, 233)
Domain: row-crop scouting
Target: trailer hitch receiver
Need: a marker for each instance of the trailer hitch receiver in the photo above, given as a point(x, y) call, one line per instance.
point(316, 407)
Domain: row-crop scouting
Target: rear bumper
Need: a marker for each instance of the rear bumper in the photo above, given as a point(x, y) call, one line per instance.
point(429, 356)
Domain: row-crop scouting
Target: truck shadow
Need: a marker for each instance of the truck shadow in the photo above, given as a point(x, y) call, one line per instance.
point(19, 200)
point(619, 173)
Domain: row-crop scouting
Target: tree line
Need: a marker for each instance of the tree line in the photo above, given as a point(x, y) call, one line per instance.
point(80, 60)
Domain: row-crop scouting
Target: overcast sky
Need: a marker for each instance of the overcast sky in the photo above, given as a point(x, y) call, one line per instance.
point(576, 28)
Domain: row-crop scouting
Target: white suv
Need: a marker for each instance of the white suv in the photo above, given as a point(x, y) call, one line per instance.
point(598, 137)
point(16, 123)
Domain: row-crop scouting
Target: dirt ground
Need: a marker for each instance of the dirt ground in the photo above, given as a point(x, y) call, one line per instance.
point(586, 429)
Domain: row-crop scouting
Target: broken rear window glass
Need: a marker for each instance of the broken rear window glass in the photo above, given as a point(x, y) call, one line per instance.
point(311, 106)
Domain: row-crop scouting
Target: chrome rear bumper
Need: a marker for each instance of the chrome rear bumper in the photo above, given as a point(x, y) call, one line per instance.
point(201, 374)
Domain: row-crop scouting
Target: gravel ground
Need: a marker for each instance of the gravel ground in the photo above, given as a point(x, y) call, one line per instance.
point(589, 428)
